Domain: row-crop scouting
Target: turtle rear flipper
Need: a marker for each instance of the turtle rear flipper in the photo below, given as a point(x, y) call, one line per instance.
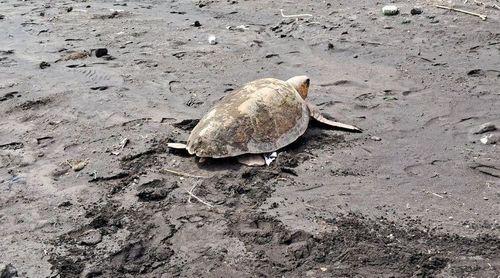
point(252, 160)
point(316, 114)
point(177, 146)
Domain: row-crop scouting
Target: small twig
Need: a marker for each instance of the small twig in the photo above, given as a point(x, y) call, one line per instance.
point(435, 194)
point(294, 15)
point(123, 143)
point(191, 190)
point(182, 174)
point(312, 207)
point(483, 17)
point(199, 199)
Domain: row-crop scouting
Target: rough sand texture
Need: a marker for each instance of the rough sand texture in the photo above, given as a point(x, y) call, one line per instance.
point(416, 194)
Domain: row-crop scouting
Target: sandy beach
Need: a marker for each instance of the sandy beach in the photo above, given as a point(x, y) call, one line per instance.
point(92, 91)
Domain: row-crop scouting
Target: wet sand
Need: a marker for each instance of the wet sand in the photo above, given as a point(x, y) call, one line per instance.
point(83, 141)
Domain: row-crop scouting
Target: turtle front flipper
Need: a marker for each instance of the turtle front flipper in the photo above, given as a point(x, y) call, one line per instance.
point(316, 114)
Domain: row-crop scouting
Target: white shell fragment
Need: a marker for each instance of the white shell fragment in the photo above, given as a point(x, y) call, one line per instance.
point(240, 28)
point(390, 10)
point(490, 139)
point(212, 40)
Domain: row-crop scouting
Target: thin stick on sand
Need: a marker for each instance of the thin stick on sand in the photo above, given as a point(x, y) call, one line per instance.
point(191, 190)
point(483, 17)
point(182, 174)
point(199, 199)
point(294, 15)
point(437, 195)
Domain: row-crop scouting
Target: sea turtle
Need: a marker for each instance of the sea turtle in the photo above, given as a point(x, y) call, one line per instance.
point(261, 117)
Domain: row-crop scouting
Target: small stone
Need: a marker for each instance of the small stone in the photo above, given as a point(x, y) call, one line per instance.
point(44, 65)
point(65, 204)
point(324, 269)
point(486, 127)
point(485, 198)
point(387, 27)
point(7, 271)
point(91, 237)
point(390, 10)
point(406, 21)
point(212, 40)
point(490, 139)
point(375, 138)
point(391, 237)
point(78, 165)
point(195, 219)
point(99, 52)
point(2, 16)
point(69, 9)
point(76, 55)
point(197, 24)
point(416, 11)
point(451, 217)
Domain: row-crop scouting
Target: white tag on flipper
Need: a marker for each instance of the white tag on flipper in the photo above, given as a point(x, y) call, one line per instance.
point(270, 158)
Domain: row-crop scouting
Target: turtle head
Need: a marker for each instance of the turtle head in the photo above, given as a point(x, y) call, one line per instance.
point(301, 84)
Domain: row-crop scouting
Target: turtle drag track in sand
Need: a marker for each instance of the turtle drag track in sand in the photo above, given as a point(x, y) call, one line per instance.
point(89, 188)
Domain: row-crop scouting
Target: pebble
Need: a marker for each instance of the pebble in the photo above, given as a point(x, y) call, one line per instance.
point(390, 10)
point(99, 52)
point(91, 237)
point(78, 165)
point(65, 204)
point(375, 138)
point(212, 40)
point(197, 24)
point(406, 21)
point(44, 65)
point(486, 127)
point(416, 11)
point(490, 139)
point(2, 16)
point(77, 55)
point(195, 219)
point(7, 271)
